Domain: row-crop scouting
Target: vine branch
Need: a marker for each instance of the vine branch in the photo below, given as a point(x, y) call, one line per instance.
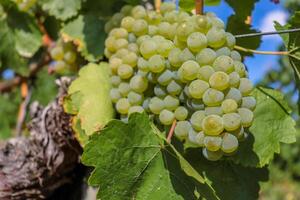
point(171, 132)
point(199, 6)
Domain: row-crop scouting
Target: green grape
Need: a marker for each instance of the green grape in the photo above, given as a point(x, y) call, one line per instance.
point(115, 95)
point(121, 53)
point(192, 135)
point(200, 138)
point(212, 97)
point(70, 57)
point(146, 104)
point(57, 53)
point(197, 104)
point(152, 30)
point(229, 106)
point(174, 88)
point(181, 113)
point(213, 111)
point(232, 121)
point(212, 143)
point(189, 70)
point(216, 37)
point(60, 67)
point(213, 125)
point(196, 41)
point(212, 155)
point(186, 55)
point(197, 88)
point(141, 39)
point(122, 106)
point(171, 103)
point(120, 33)
point(115, 81)
point(246, 116)
point(236, 56)
point(171, 17)
point(184, 29)
point(156, 64)
point(114, 64)
point(196, 119)
point(156, 105)
point(127, 23)
point(121, 43)
point(126, 9)
point(224, 64)
point(206, 57)
point(165, 47)
point(133, 48)
point(165, 78)
point(166, 117)
point(245, 86)
point(124, 88)
point(167, 7)
point(174, 57)
point(178, 43)
point(140, 27)
point(230, 40)
point(148, 48)
point(172, 32)
point(182, 129)
point(248, 102)
point(138, 83)
point(130, 59)
point(217, 22)
point(125, 71)
point(124, 118)
point(138, 12)
point(160, 91)
point(234, 94)
point(240, 68)
point(143, 64)
point(234, 79)
point(153, 17)
point(164, 28)
point(219, 80)
point(107, 53)
point(224, 51)
point(116, 18)
point(135, 98)
point(230, 143)
point(158, 38)
point(202, 23)
point(205, 72)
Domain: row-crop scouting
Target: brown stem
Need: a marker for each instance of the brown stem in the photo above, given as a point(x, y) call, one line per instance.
point(261, 52)
point(171, 132)
point(199, 6)
point(157, 5)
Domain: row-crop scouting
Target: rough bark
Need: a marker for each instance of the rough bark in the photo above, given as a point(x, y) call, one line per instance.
point(34, 167)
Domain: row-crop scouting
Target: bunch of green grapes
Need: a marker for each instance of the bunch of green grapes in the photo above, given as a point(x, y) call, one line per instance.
point(65, 57)
point(25, 5)
point(182, 67)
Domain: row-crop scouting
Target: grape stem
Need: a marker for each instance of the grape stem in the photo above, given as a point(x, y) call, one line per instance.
point(171, 132)
point(239, 48)
point(157, 5)
point(199, 6)
point(267, 33)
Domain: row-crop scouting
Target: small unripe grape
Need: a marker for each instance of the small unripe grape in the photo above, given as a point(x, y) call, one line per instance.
point(181, 113)
point(165, 78)
point(213, 125)
point(219, 80)
point(206, 56)
point(182, 129)
point(57, 53)
point(205, 73)
point(232, 121)
point(160, 91)
point(156, 64)
point(230, 143)
point(123, 106)
point(190, 70)
point(212, 97)
point(197, 88)
point(166, 117)
point(125, 71)
point(196, 119)
point(246, 116)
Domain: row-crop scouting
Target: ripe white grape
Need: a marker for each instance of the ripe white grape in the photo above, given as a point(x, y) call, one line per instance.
point(224, 51)
point(212, 97)
point(160, 91)
point(127, 23)
point(135, 98)
point(212, 155)
point(174, 58)
point(174, 88)
point(240, 68)
point(171, 103)
point(206, 57)
point(219, 81)
point(165, 77)
point(186, 55)
point(182, 129)
point(229, 106)
point(165, 47)
point(140, 27)
point(115, 81)
point(181, 113)
point(156, 105)
point(234, 79)
point(197, 104)
point(192, 136)
point(138, 83)
point(143, 64)
point(184, 29)
point(166, 117)
point(213, 111)
point(216, 37)
point(230, 143)
point(130, 59)
point(212, 143)
point(205, 73)
point(138, 12)
point(196, 119)
point(122, 106)
point(189, 70)
point(200, 138)
point(230, 40)
point(232, 121)
point(246, 116)
point(248, 102)
point(125, 71)
point(57, 53)
point(148, 48)
point(124, 88)
point(121, 43)
point(114, 64)
point(212, 125)
point(236, 56)
point(115, 95)
point(234, 94)
point(197, 88)
point(245, 86)
point(196, 41)
point(224, 64)
point(156, 63)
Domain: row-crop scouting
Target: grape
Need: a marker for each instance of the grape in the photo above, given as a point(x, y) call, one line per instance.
point(166, 117)
point(164, 28)
point(192, 136)
point(156, 105)
point(167, 7)
point(120, 33)
point(219, 81)
point(205, 72)
point(148, 48)
point(171, 103)
point(156, 64)
point(216, 37)
point(174, 88)
point(224, 51)
point(206, 57)
point(138, 83)
point(121, 53)
point(212, 143)
point(235, 56)
point(212, 155)
point(60, 66)
point(196, 119)
point(186, 55)
point(124, 88)
point(245, 86)
point(184, 29)
point(165, 47)
point(126, 10)
point(229, 106)
point(115, 80)
point(123, 106)
point(57, 53)
point(107, 53)
point(189, 70)
point(197, 88)
point(152, 30)
point(212, 97)
point(197, 104)
point(171, 17)
point(230, 40)
point(125, 71)
point(141, 39)
point(135, 109)
point(114, 64)
point(135, 98)
point(127, 23)
point(196, 41)
point(234, 94)
point(246, 116)
point(202, 23)
point(160, 91)
point(217, 22)
point(229, 143)
point(248, 102)
point(138, 12)
point(143, 64)
point(140, 27)
point(200, 139)
point(182, 129)
point(224, 64)
point(146, 104)
point(232, 121)
point(240, 68)
point(165, 78)
point(121, 43)
point(234, 79)
point(70, 57)
point(213, 111)
point(174, 58)
point(181, 113)
point(153, 17)
point(212, 125)
point(130, 59)
point(178, 43)
point(116, 18)
point(133, 48)
point(115, 95)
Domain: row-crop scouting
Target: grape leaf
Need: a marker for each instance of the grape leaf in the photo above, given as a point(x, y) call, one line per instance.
point(229, 180)
point(80, 135)
point(61, 9)
point(242, 10)
point(87, 31)
point(95, 107)
point(189, 5)
point(272, 125)
point(131, 163)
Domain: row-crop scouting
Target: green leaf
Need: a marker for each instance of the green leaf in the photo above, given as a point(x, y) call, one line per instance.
point(272, 126)
point(131, 163)
point(229, 180)
point(95, 108)
point(242, 10)
point(61, 9)
point(80, 135)
point(87, 31)
point(189, 5)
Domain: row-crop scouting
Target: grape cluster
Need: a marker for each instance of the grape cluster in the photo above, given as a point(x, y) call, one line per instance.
point(175, 66)
point(25, 5)
point(65, 57)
